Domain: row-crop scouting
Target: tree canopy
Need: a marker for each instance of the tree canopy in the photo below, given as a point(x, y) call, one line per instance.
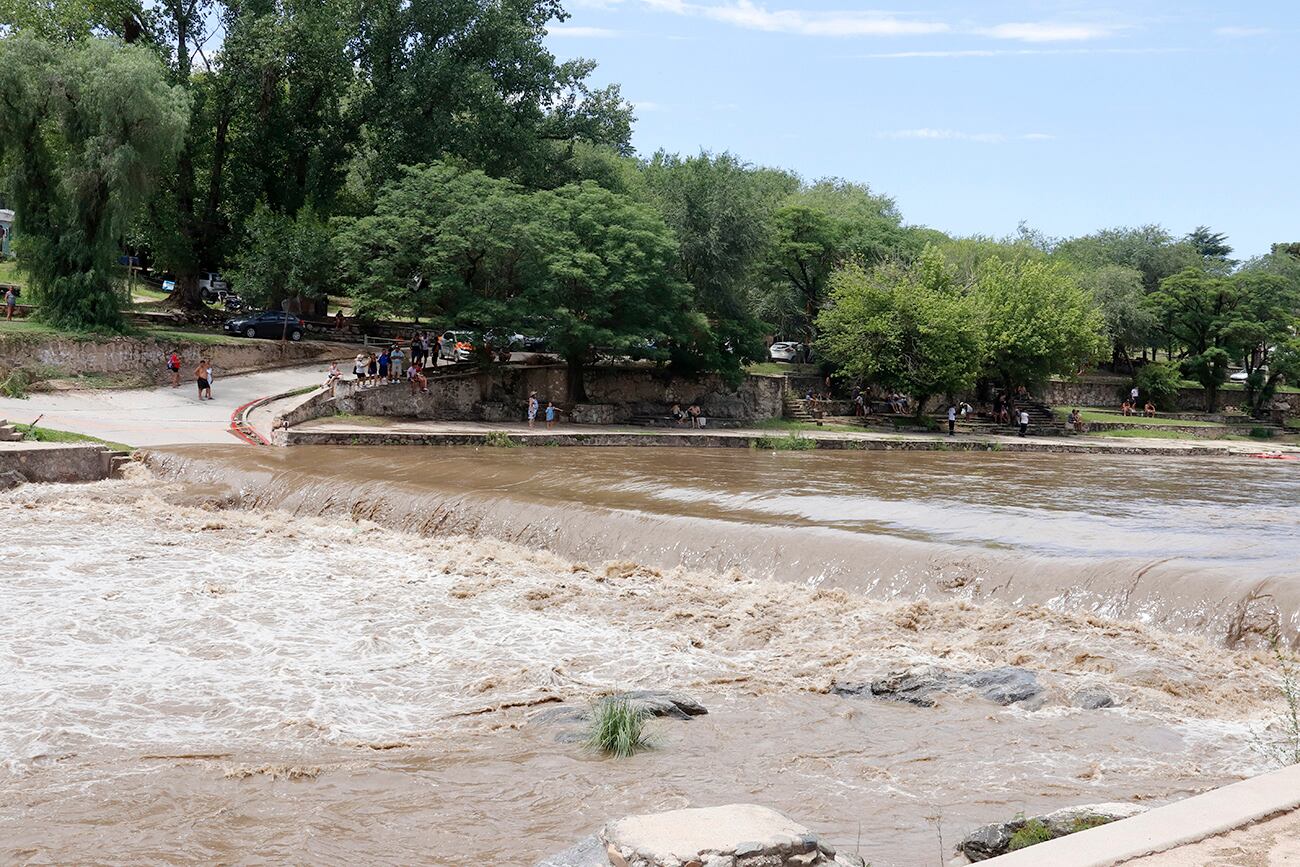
point(85, 130)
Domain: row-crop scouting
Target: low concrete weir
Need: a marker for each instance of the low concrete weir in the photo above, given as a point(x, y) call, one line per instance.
point(57, 462)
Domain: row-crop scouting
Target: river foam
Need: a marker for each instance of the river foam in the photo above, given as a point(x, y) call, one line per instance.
point(156, 641)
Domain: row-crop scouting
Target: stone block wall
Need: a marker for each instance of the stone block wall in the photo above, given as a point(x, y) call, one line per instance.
point(615, 395)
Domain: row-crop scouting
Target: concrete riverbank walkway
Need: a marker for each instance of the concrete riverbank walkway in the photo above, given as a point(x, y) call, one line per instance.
point(350, 430)
point(161, 415)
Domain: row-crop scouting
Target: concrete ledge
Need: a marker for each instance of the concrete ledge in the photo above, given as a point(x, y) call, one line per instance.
point(1164, 828)
point(461, 434)
point(56, 462)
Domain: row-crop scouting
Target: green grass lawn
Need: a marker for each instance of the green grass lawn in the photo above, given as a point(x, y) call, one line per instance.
point(1099, 415)
point(1141, 434)
point(49, 435)
point(9, 273)
point(36, 328)
point(777, 367)
point(788, 424)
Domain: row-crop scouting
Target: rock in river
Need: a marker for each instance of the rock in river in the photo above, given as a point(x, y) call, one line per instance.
point(990, 841)
point(1004, 685)
point(735, 835)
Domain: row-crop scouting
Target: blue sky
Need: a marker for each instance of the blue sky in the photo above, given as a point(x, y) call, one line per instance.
point(977, 115)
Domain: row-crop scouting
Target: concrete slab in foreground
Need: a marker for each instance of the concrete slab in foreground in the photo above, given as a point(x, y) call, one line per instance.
point(1166, 829)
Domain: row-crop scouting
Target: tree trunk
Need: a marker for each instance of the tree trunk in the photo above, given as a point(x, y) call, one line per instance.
point(577, 386)
point(1211, 398)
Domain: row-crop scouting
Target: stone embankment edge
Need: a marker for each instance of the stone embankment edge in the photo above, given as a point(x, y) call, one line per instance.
point(1164, 828)
point(295, 436)
point(58, 462)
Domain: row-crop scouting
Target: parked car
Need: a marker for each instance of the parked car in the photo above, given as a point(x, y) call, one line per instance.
point(456, 346)
point(786, 350)
point(1243, 375)
point(210, 283)
point(270, 323)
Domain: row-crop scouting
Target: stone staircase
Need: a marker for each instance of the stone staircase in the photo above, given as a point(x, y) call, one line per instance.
point(794, 408)
point(8, 433)
point(1042, 421)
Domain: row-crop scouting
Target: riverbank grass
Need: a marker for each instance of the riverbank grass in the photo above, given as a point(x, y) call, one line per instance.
point(791, 442)
point(1104, 416)
point(618, 728)
point(49, 435)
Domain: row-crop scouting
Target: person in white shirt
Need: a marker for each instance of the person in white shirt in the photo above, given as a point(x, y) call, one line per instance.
point(1024, 422)
point(952, 419)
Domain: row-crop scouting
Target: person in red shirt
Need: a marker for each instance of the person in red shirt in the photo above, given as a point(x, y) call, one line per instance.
point(174, 365)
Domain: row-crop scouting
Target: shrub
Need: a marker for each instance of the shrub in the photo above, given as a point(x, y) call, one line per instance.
point(1261, 433)
point(16, 384)
point(1159, 383)
point(499, 439)
point(617, 728)
point(791, 442)
point(1031, 833)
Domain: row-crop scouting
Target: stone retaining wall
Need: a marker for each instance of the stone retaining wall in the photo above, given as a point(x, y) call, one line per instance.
point(616, 395)
point(147, 356)
point(1110, 391)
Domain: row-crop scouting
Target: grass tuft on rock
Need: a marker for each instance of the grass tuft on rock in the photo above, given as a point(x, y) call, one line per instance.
point(1031, 833)
point(791, 442)
point(499, 439)
point(617, 728)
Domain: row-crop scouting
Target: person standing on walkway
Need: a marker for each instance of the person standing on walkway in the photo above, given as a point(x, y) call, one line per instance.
point(395, 359)
point(384, 360)
point(174, 365)
point(952, 419)
point(1133, 397)
point(532, 408)
point(11, 301)
point(201, 374)
point(372, 369)
point(1024, 422)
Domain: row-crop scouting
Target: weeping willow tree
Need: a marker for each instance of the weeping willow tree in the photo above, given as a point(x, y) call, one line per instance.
point(85, 130)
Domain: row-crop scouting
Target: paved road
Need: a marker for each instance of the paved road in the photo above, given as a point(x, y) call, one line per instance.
point(159, 416)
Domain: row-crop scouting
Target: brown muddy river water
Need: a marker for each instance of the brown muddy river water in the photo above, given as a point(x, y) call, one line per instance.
point(338, 655)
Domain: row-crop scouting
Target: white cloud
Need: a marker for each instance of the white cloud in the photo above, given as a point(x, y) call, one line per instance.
point(931, 134)
point(578, 32)
point(647, 105)
point(1242, 32)
point(751, 16)
point(1016, 52)
point(1040, 31)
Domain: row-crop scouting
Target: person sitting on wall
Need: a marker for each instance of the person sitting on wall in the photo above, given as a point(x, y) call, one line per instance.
point(1149, 410)
point(1126, 408)
point(678, 417)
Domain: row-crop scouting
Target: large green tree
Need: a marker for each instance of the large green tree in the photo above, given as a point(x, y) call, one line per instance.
point(1038, 321)
point(86, 129)
point(442, 242)
point(905, 327)
point(720, 210)
point(1150, 250)
point(608, 283)
point(1201, 313)
point(818, 230)
point(472, 80)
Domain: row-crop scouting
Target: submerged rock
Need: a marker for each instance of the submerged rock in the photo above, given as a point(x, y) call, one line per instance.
point(1005, 685)
point(10, 479)
point(1092, 698)
point(734, 835)
point(990, 841)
